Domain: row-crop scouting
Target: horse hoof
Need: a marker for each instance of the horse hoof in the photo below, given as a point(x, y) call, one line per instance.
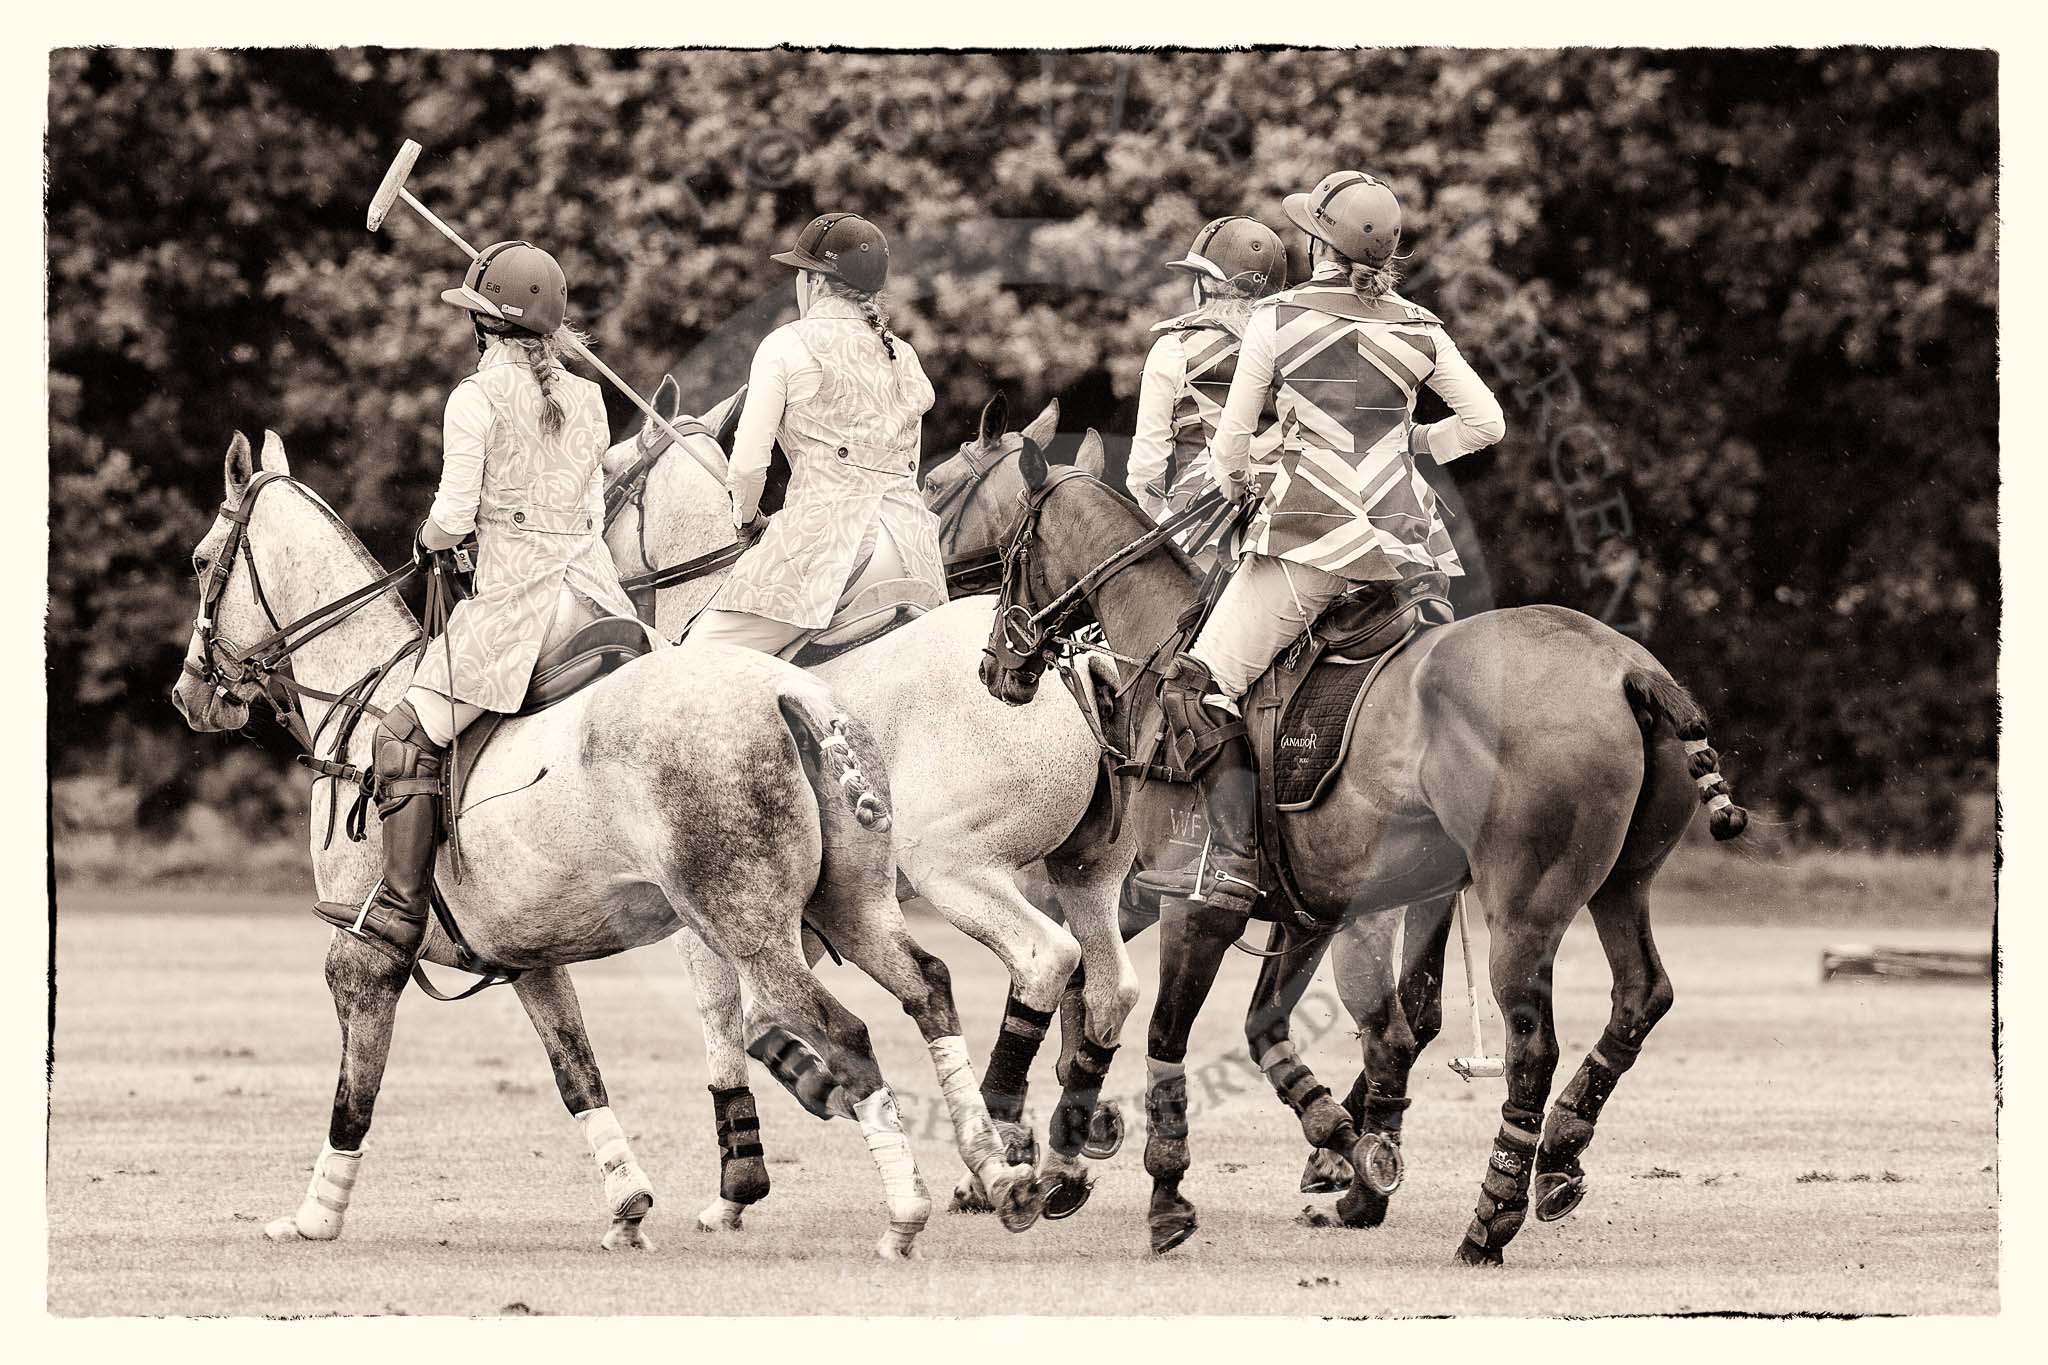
point(1019, 1199)
point(1377, 1161)
point(1326, 1173)
point(1556, 1193)
point(1170, 1231)
point(1020, 1143)
point(1105, 1132)
point(1069, 1192)
point(1362, 1207)
point(1469, 1253)
point(285, 1229)
point(625, 1235)
point(897, 1245)
point(721, 1215)
point(969, 1197)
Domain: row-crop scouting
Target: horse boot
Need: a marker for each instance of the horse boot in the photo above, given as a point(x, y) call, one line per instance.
point(1209, 743)
point(406, 774)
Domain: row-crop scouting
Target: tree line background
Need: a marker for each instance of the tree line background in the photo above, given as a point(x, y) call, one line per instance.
point(1740, 307)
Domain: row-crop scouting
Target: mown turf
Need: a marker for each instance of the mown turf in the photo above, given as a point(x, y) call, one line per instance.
point(1783, 1147)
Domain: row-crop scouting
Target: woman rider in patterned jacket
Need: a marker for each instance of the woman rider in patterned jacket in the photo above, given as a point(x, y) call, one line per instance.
point(522, 441)
point(846, 400)
point(1341, 359)
point(1234, 262)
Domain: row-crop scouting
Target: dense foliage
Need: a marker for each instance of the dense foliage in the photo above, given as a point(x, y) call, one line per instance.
point(1740, 307)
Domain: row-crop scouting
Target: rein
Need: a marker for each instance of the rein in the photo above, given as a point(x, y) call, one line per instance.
point(266, 664)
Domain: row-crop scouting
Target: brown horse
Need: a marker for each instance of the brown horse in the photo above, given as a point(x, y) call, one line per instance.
point(1535, 754)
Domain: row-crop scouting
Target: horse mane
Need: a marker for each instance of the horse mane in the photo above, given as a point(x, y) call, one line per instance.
point(354, 543)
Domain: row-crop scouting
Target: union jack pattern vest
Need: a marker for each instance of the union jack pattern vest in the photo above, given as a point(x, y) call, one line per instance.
point(1347, 497)
point(1211, 353)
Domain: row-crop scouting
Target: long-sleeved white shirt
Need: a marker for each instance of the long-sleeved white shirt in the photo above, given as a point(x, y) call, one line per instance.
point(466, 425)
point(1166, 374)
point(1475, 423)
point(784, 372)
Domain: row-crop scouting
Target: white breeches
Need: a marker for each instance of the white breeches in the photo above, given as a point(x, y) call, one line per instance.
point(1266, 604)
point(443, 719)
point(751, 630)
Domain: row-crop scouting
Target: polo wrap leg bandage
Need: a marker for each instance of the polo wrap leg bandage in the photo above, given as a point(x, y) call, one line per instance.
point(325, 1207)
point(910, 1205)
point(628, 1193)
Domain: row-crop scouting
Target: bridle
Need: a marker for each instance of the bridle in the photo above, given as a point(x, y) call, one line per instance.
point(264, 668)
point(1023, 640)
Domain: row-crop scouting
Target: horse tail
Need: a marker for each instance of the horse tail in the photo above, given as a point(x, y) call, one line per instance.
point(827, 739)
point(1654, 696)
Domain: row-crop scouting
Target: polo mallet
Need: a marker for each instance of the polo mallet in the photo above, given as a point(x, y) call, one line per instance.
point(393, 189)
point(1478, 1064)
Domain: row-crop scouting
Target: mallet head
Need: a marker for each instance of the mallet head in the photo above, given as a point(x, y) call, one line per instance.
point(394, 181)
point(1479, 1068)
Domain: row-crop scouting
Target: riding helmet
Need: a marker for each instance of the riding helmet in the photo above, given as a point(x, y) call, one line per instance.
point(844, 246)
point(518, 283)
point(1353, 212)
point(1238, 249)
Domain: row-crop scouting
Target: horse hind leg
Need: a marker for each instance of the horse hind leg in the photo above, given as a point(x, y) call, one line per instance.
point(366, 984)
point(1642, 996)
point(782, 992)
point(742, 1164)
point(871, 935)
point(1268, 1031)
point(550, 1000)
point(1525, 934)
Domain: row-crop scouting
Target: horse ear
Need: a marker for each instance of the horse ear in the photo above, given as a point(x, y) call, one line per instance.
point(1043, 427)
point(273, 458)
point(1091, 458)
point(241, 468)
point(668, 398)
point(995, 417)
point(1032, 464)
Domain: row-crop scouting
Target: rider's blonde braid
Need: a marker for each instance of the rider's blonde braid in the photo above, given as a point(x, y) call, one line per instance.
point(544, 359)
point(870, 305)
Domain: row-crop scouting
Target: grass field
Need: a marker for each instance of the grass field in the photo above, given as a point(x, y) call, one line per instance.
point(1783, 1146)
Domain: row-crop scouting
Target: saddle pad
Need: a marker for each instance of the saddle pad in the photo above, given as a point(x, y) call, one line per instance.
point(1312, 733)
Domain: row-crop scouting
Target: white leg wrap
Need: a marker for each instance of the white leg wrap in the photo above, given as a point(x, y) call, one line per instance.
point(910, 1206)
point(973, 1130)
point(625, 1184)
point(325, 1207)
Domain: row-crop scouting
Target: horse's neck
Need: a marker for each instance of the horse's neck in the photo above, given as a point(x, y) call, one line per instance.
point(306, 561)
point(1139, 603)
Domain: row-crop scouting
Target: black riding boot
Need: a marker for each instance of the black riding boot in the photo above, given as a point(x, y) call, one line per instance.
point(407, 765)
point(1212, 742)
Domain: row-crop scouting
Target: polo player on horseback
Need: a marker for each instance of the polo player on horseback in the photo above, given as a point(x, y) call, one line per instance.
point(1340, 359)
point(1234, 262)
point(846, 400)
point(520, 450)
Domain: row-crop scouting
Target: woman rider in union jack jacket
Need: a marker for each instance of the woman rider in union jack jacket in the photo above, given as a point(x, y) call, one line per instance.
point(846, 399)
point(1341, 359)
point(521, 445)
point(1235, 261)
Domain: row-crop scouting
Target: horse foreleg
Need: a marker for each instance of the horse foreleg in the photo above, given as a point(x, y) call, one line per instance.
point(1098, 1000)
point(1283, 980)
point(1394, 994)
point(1642, 996)
point(550, 1001)
point(1192, 944)
point(742, 1167)
point(365, 983)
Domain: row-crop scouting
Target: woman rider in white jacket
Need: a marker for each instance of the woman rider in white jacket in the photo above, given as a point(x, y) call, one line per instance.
point(846, 399)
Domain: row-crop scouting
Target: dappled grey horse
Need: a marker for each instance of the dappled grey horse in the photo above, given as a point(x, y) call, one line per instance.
point(706, 788)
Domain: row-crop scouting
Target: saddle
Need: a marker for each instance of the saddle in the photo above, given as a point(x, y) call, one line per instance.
point(1301, 713)
point(872, 612)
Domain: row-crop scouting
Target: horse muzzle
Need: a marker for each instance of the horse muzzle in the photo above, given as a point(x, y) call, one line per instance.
point(1014, 684)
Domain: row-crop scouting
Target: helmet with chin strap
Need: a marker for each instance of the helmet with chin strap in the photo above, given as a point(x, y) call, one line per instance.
point(515, 283)
point(1353, 212)
point(1237, 250)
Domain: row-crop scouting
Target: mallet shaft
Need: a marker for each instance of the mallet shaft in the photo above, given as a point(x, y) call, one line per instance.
point(423, 211)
